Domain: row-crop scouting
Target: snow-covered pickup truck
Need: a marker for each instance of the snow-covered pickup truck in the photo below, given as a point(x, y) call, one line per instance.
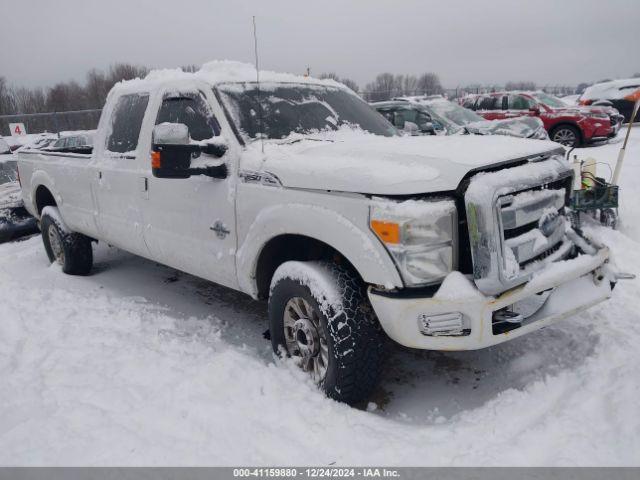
point(296, 191)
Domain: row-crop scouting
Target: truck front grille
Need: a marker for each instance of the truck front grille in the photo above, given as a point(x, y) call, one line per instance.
point(516, 222)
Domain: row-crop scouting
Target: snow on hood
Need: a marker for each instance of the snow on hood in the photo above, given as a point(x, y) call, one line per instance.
point(616, 89)
point(522, 127)
point(358, 162)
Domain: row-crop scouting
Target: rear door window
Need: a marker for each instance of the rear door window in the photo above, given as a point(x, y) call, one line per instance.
point(489, 103)
point(191, 110)
point(520, 102)
point(126, 121)
point(469, 103)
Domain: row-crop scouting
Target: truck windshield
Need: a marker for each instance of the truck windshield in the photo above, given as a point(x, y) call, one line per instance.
point(278, 110)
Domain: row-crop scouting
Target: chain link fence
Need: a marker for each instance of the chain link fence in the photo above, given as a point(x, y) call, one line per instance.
point(53, 122)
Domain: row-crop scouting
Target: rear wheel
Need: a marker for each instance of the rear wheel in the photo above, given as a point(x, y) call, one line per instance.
point(566, 135)
point(71, 250)
point(319, 314)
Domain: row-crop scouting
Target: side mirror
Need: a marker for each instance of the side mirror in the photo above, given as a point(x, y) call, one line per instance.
point(172, 152)
point(535, 109)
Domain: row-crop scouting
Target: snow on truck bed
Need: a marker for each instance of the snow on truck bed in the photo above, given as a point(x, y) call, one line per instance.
point(138, 364)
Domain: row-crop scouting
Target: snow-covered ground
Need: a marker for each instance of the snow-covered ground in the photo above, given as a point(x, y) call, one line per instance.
point(141, 365)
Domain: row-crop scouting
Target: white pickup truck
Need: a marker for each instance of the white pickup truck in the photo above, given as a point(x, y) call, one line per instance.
point(294, 190)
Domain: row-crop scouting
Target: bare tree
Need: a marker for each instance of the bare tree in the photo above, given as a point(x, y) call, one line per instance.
point(351, 84)
point(7, 104)
point(126, 71)
point(382, 88)
point(346, 81)
point(520, 85)
point(429, 84)
point(96, 88)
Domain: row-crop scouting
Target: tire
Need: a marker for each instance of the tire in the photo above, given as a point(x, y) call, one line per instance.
point(340, 334)
point(609, 218)
point(566, 135)
point(71, 250)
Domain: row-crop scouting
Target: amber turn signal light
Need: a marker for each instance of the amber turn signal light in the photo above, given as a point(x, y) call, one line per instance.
point(388, 232)
point(155, 160)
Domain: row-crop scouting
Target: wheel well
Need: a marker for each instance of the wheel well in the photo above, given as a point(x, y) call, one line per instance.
point(44, 198)
point(284, 248)
point(567, 124)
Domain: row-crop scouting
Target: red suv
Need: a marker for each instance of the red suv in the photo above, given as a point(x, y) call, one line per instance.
point(570, 126)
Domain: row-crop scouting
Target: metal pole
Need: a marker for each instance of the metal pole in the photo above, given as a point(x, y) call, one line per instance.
point(616, 172)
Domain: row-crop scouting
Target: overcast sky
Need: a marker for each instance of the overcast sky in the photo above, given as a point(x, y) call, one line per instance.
point(491, 41)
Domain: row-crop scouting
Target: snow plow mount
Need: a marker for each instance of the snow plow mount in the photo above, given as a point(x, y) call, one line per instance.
point(557, 292)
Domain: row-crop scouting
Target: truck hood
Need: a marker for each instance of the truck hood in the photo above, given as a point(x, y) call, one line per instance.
point(369, 164)
point(522, 127)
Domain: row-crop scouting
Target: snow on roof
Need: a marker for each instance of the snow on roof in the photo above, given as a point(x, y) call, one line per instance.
point(219, 71)
point(614, 89)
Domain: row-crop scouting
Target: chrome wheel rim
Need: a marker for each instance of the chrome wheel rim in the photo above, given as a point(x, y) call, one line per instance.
point(565, 137)
point(305, 337)
point(56, 245)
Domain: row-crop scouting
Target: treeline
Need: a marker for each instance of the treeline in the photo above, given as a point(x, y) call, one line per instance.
point(63, 97)
point(91, 95)
point(387, 85)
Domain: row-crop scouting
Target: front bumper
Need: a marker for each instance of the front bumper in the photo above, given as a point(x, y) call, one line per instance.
point(575, 285)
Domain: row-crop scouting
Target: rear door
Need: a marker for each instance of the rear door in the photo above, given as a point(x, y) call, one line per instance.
point(490, 107)
point(117, 180)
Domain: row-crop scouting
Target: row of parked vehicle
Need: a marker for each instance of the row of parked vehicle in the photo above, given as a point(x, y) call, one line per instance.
point(15, 221)
point(296, 192)
point(520, 114)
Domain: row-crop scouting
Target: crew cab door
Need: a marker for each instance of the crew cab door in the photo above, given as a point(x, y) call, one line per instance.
point(116, 177)
point(190, 223)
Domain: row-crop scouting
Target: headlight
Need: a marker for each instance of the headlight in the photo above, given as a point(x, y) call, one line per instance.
point(600, 116)
point(421, 237)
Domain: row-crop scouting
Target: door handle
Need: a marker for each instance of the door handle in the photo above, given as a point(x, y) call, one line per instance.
point(143, 186)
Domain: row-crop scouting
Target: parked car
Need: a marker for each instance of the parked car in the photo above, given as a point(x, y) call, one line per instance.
point(570, 126)
point(437, 115)
point(621, 94)
point(15, 221)
point(72, 143)
point(5, 149)
point(296, 191)
point(570, 100)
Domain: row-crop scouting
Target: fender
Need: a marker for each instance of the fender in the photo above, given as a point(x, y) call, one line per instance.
point(358, 245)
point(41, 178)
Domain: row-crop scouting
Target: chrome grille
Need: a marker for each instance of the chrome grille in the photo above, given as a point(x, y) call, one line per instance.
point(516, 222)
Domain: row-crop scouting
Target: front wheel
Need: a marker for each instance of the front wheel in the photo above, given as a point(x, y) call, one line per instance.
point(320, 315)
point(71, 250)
point(566, 135)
